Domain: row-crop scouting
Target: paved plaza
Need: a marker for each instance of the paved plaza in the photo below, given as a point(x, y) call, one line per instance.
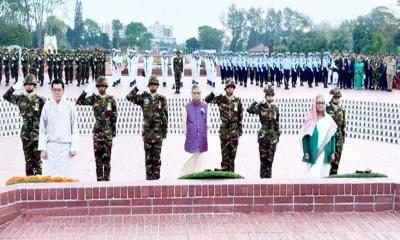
point(128, 153)
point(290, 226)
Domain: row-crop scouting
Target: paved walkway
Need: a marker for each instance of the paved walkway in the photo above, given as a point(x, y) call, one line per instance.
point(305, 226)
point(127, 159)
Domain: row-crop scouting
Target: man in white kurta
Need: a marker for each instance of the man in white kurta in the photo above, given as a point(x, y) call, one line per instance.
point(58, 133)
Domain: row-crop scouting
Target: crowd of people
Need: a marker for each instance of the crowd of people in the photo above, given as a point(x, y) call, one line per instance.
point(66, 65)
point(372, 72)
point(49, 129)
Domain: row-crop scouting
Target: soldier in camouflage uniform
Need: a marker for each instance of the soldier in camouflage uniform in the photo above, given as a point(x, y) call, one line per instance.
point(155, 124)
point(339, 116)
point(105, 113)
point(1, 66)
point(25, 62)
point(15, 65)
point(66, 67)
point(268, 135)
point(30, 106)
point(41, 62)
point(178, 69)
point(231, 114)
point(60, 66)
point(50, 65)
point(78, 70)
point(86, 68)
point(6, 63)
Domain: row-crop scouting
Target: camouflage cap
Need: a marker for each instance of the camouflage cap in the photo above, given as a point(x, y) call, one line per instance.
point(335, 92)
point(30, 79)
point(101, 81)
point(153, 80)
point(230, 83)
point(269, 90)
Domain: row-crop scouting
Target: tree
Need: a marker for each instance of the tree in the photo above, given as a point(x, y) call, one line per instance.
point(105, 41)
point(377, 45)
point(116, 28)
point(134, 33)
point(92, 33)
point(40, 10)
point(57, 27)
point(78, 25)
point(192, 44)
point(14, 35)
point(235, 24)
point(210, 38)
point(361, 35)
point(274, 24)
point(137, 35)
point(255, 26)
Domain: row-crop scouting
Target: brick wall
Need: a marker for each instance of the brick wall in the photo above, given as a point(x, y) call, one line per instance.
point(197, 197)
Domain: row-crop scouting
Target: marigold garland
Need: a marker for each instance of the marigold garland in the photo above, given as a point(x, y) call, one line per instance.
point(39, 179)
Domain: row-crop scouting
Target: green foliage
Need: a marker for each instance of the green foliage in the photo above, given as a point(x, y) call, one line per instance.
point(192, 44)
point(212, 175)
point(79, 38)
point(116, 28)
point(14, 35)
point(137, 36)
point(92, 34)
point(375, 32)
point(359, 175)
point(210, 38)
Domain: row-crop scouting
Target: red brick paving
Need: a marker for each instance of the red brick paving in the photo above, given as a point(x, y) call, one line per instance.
point(207, 226)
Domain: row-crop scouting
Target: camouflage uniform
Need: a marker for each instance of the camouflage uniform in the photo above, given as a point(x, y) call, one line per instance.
point(30, 107)
point(78, 70)
point(41, 62)
point(268, 135)
point(15, 66)
point(6, 63)
point(50, 65)
point(25, 63)
point(178, 69)
point(105, 113)
point(60, 66)
point(103, 60)
point(86, 68)
point(1, 66)
point(339, 116)
point(231, 114)
point(155, 124)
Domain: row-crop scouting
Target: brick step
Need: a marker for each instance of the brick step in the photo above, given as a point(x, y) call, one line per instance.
point(183, 197)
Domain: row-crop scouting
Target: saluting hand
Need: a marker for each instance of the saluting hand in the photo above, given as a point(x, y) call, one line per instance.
point(43, 155)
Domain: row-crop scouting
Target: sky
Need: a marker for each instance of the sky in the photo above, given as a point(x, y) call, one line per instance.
point(187, 16)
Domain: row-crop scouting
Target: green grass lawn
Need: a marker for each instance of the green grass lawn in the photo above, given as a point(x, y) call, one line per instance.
point(212, 175)
point(359, 175)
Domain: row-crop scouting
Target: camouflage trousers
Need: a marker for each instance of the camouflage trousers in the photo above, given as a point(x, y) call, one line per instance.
point(102, 153)
point(229, 144)
point(178, 76)
point(60, 73)
point(338, 155)
point(50, 72)
point(267, 153)
point(153, 160)
point(7, 74)
point(33, 163)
